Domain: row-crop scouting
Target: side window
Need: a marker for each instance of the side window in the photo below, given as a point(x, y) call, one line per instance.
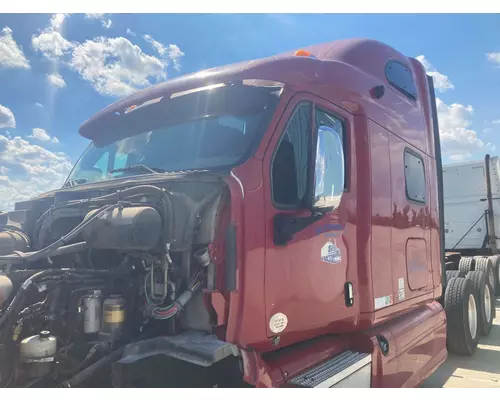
point(325, 119)
point(415, 177)
point(400, 76)
point(291, 160)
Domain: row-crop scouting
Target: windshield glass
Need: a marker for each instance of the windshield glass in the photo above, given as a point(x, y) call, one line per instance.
point(208, 129)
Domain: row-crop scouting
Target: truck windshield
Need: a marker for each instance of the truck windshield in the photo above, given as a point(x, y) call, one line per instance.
point(209, 129)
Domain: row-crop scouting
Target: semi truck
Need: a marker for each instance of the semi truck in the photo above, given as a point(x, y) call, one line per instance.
point(273, 223)
point(471, 200)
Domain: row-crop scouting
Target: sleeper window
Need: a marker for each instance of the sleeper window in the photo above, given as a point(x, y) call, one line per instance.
point(415, 177)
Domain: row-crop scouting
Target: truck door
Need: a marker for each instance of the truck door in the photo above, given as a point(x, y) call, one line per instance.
point(307, 280)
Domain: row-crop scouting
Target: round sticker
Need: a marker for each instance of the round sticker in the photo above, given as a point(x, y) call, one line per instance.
point(278, 323)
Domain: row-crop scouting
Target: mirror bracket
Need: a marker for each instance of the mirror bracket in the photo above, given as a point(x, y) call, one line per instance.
point(286, 225)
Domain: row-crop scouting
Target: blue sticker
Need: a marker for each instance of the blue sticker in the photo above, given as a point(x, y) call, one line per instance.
point(331, 234)
point(330, 253)
point(329, 227)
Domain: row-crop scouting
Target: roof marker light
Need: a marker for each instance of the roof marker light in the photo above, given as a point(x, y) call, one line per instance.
point(145, 104)
point(303, 53)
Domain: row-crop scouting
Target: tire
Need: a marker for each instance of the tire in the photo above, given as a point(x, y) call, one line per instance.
point(466, 265)
point(449, 276)
point(461, 336)
point(451, 266)
point(495, 260)
point(485, 265)
point(485, 301)
point(452, 274)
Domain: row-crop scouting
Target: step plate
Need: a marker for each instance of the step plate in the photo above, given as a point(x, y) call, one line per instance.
point(348, 369)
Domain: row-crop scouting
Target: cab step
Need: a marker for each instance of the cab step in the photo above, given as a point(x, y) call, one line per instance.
point(346, 370)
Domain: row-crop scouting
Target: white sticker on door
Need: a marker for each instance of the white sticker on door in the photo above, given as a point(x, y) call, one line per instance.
point(278, 323)
point(401, 289)
point(381, 302)
point(330, 253)
point(401, 283)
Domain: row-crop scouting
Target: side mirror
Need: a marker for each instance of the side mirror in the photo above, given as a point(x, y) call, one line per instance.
point(329, 174)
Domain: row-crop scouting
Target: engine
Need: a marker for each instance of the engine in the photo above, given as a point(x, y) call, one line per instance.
point(91, 274)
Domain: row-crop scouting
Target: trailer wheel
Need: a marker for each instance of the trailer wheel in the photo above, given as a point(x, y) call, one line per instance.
point(495, 260)
point(485, 301)
point(466, 265)
point(460, 304)
point(451, 266)
point(452, 274)
point(449, 276)
point(485, 265)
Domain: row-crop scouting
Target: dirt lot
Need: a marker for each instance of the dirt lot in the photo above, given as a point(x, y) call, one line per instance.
point(479, 371)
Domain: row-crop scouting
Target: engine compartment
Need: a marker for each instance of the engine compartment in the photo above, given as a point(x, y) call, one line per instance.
point(86, 272)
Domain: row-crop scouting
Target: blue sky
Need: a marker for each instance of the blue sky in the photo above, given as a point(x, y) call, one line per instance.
point(57, 70)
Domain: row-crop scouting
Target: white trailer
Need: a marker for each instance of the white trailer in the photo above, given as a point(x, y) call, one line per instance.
point(471, 192)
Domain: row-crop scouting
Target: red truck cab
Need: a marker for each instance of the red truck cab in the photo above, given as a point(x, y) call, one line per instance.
point(328, 249)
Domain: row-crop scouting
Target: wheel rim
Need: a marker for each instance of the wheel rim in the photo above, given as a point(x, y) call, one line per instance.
point(487, 303)
point(472, 316)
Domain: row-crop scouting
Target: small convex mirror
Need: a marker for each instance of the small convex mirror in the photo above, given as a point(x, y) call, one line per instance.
point(329, 172)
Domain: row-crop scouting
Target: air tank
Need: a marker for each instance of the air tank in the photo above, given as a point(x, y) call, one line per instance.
point(13, 240)
point(37, 354)
point(126, 228)
point(5, 288)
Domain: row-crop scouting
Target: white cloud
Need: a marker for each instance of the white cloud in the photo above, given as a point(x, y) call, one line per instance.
point(39, 105)
point(160, 48)
point(170, 52)
point(458, 141)
point(131, 33)
point(51, 44)
point(7, 119)
point(40, 134)
point(28, 170)
point(57, 20)
point(493, 57)
point(105, 22)
point(115, 66)
point(11, 55)
point(175, 54)
point(56, 80)
point(441, 82)
point(496, 122)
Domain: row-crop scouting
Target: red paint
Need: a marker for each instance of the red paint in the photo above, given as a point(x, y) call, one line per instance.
point(383, 236)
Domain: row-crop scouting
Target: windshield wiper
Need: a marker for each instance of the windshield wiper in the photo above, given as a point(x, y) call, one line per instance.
point(137, 167)
point(73, 182)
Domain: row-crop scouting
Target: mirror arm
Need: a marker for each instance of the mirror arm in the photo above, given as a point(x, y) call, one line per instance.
point(286, 225)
